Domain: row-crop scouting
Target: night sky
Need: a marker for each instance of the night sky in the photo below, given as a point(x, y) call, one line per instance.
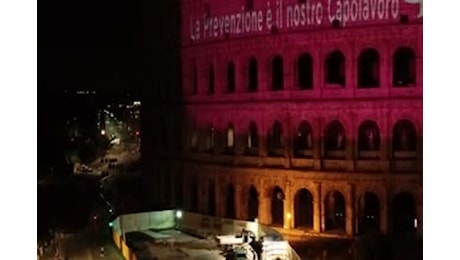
point(84, 45)
point(87, 45)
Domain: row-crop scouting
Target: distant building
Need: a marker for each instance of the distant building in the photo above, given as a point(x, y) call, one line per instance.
point(306, 115)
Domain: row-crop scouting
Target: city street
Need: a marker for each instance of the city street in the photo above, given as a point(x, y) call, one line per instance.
point(85, 244)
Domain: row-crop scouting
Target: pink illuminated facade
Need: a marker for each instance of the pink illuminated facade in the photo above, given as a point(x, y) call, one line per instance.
point(306, 115)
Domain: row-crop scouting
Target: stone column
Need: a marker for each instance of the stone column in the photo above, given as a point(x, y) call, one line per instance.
point(351, 79)
point(349, 210)
point(384, 150)
point(318, 144)
point(419, 214)
point(386, 70)
point(220, 200)
point(240, 86)
point(264, 80)
point(384, 217)
point(317, 213)
point(288, 70)
point(419, 147)
point(264, 208)
point(239, 202)
point(350, 152)
point(288, 208)
point(323, 213)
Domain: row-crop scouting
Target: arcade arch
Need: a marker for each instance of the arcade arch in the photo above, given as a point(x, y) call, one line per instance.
point(277, 206)
point(303, 208)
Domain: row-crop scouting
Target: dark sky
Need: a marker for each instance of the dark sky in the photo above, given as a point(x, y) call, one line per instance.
point(87, 45)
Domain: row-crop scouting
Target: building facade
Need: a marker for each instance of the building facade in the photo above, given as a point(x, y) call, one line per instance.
point(304, 115)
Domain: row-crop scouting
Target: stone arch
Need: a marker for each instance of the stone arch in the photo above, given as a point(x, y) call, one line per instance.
point(403, 212)
point(369, 68)
point(305, 71)
point(253, 75)
point(275, 142)
point(277, 73)
point(252, 145)
point(210, 138)
point(211, 80)
point(230, 201)
point(231, 82)
point(368, 212)
point(335, 139)
point(335, 211)
point(303, 208)
point(335, 68)
point(303, 140)
point(368, 139)
point(277, 206)
point(230, 139)
point(404, 139)
point(253, 203)
point(404, 67)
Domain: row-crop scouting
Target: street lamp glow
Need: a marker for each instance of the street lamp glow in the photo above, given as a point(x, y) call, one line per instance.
point(178, 214)
point(102, 132)
point(288, 216)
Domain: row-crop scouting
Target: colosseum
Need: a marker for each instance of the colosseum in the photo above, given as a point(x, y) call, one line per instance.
point(303, 115)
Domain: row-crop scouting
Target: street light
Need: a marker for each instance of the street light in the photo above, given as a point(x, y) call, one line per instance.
point(102, 132)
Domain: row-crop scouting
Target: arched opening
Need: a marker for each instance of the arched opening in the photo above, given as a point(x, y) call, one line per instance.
point(230, 202)
point(194, 195)
point(253, 140)
point(211, 81)
point(230, 140)
point(253, 204)
point(369, 69)
point(335, 68)
point(303, 204)
point(211, 199)
point(303, 140)
point(369, 213)
point(368, 140)
point(253, 77)
point(231, 78)
point(210, 139)
point(195, 80)
point(404, 213)
point(335, 211)
point(305, 71)
point(403, 67)
point(277, 206)
point(194, 139)
point(404, 139)
point(335, 140)
point(277, 73)
point(276, 140)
